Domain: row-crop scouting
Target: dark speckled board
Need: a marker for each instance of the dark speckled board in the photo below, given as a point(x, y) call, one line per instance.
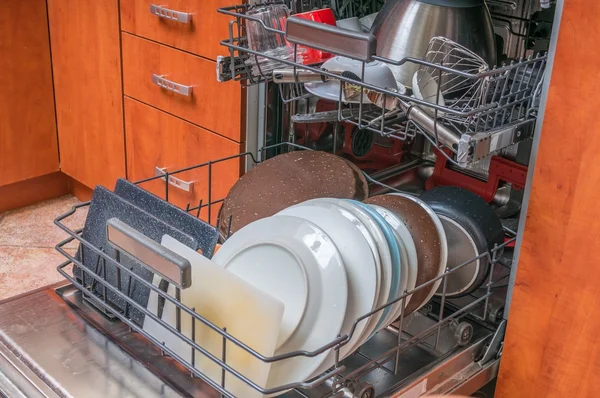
point(204, 233)
point(106, 205)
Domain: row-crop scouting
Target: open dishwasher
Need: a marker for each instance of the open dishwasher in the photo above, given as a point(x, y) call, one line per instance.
point(68, 341)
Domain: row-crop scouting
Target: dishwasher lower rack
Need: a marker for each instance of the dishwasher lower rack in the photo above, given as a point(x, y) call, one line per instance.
point(390, 361)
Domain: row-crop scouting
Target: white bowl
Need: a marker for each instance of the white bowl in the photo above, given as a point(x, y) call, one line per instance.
point(425, 88)
point(376, 73)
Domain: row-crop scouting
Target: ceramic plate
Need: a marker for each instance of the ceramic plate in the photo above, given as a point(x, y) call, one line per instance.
point(395, 276)
point(296, 262)
point(382, 256)
point(396, 309)
point(409, 248)
point(358, 260)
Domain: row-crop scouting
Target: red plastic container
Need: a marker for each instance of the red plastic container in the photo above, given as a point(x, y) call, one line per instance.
point(311, 55)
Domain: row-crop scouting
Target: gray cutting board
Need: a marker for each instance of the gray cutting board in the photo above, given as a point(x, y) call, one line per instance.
point(106, 205)
point(204, 233)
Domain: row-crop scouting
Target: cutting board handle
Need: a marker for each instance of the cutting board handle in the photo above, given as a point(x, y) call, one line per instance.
point(150, 254)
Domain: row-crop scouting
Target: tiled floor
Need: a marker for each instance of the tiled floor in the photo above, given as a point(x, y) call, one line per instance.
point(28, 235)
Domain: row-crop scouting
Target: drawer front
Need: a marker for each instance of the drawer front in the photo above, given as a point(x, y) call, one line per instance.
point(151, 73)
point(194, 26)
point(157, 140)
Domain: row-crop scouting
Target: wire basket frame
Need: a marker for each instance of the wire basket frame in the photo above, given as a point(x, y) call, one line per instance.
point(336, 377)
point(485, 108)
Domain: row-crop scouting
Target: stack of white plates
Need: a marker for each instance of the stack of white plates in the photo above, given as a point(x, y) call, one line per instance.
point(331, 262)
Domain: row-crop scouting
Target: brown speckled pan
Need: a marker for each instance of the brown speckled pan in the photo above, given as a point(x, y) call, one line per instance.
point(286, 180)
point(361, 181)
point(425, 236)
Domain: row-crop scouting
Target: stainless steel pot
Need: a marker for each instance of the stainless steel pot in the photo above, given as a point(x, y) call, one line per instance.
point(404, 27)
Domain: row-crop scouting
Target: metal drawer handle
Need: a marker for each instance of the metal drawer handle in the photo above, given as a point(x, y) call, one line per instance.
point(160, 81)
point(186, 186)
point(172, 15)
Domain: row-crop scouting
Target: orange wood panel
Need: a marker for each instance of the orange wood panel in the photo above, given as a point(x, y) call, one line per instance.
point(215, 106)
point(82, 192)
point(552, 346)
point(87, 78)
point(201, 36)
point(157, 139)
point(28, 146)
point(34, 190)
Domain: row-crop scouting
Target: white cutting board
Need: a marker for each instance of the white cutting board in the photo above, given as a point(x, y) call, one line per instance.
point(221, 297)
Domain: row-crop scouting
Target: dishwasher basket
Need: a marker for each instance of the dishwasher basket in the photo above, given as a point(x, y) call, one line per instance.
point(448, 337)
point(487, 108)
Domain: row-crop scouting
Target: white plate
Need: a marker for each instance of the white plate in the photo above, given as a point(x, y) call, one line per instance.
point(397, 307)
point(365, 225)
point(296, 262)
point(385, 257)
point(341, 226)
point(376, 73)
point(409, 249)
point(228, 302)
point(443, 243)
point(396, 275)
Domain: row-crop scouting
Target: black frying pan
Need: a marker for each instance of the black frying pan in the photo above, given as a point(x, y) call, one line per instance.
point(479, 220)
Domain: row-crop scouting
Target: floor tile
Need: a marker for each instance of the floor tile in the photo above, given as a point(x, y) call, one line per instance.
point(23, 269)
point(33, 226)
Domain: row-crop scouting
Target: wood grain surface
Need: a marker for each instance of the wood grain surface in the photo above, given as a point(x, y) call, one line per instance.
point(215, 106)
point(87, 79)
point(33, 190)
point(28, 146)
point(157, 139)
point(552, 346)
point(201, 36)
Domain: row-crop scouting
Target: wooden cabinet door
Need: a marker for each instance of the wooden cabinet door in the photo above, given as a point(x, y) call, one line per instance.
point(156, 139)
point(87, 80)
point(552, 344)
point(28, 145)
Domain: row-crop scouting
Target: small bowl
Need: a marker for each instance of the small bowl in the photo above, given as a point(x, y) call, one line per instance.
point(376, 73)
point(426, 88)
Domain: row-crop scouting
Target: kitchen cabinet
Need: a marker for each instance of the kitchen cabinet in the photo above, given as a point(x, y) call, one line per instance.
point(159, 141)
point(198, 30)
point(552, 344)
point(86, 60)
point(28, 144)
point(215, 106)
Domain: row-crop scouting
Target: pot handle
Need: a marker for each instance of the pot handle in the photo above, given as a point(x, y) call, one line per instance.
point(329, 38)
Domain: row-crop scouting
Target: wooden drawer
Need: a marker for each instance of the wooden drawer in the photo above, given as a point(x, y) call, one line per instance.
point(215, 106)
point(157, 139)
point(200, 36)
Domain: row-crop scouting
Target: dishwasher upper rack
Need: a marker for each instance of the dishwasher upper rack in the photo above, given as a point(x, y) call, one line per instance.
point(336, 378)
point(495, 107)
